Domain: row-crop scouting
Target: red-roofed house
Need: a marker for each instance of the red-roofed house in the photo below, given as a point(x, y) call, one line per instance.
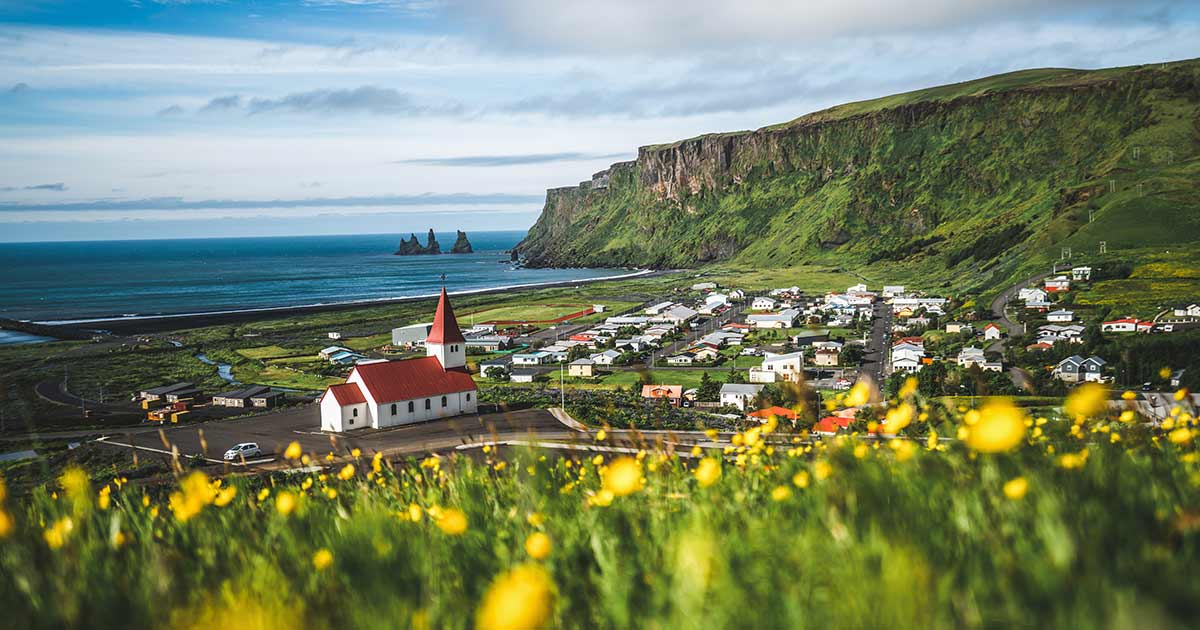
point(830, 425)
point(671, 393)
point(389, 393)
point(1127, 324)
point(780, 413)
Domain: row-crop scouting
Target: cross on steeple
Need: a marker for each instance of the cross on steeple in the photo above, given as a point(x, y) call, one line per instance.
point(443, 281)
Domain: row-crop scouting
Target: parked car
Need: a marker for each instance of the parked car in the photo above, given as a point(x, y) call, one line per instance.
point(245, 450)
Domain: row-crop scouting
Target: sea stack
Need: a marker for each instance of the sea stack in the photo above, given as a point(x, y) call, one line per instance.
point(412, 247)
point(461, 244)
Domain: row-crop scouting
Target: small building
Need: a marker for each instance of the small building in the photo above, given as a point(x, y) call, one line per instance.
point(705, 353)
point(240, 397)
point(159, 393)
point(608, 357)
point(499, 365)
point(584, 368)
point(955, 328)
point(680, 359)
point(1186, 309)
point(831, 425)
point(779, 413)
point(827, 357)
point(740, 395)
point(704, 286)
point(1062, 315)
point(183, 394)
point(524, 375)
point(1081, 273)
point(991, 332)
point(760, 375)
point(659, 308)
point(598, 308)
point(892, 290)
point(267, 400)
point(969, 356)
point(1058, 284)
point(538, 357)
point(763, 304)
point(334, 335)
point(810, 337)
point(789, 367)
point(783, 319)
point(411, 335)
point(1127, 324)
point(673, 394)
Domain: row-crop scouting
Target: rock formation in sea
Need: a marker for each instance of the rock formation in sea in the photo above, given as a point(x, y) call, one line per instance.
point(461, 244)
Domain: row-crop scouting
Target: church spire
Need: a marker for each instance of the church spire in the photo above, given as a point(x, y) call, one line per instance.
point(445, 326)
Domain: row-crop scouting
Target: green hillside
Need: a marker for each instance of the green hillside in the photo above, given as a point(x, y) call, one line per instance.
point(957, 184)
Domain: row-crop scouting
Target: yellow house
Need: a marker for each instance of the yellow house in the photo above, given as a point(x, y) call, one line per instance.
point(585, 368)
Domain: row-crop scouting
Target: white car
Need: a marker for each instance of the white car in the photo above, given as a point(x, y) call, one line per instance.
point(245, 450)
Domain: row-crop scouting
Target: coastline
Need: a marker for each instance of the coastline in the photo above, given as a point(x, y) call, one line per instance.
point(178, 321)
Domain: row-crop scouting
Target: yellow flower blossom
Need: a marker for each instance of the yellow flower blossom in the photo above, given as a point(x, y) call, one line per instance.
point(263, 494)
point(931, 442)
point(535, 519)
point(194, 493)
point(861, 450)
point(903, 448)
point(623, 476)
point(293, 451)
point(1073, 460)
point(822, 470)
point(538, 546)
point(346, 473)
point(1086, 401)
point(104, 499)
point(800, 479)
point(322, 559)
point(56, 535)
point(899, 417)
point(1016, 488)
point(452, 522)
point(522, 599)
point(6, 524)
point(601, 435)
point(781, 493)
point(1182, 435)
point(285, 502)
point(224, 496)
point(711, 434)
point(1128, 395)
point(708, 471)
point(1180, 394)
point(597, 460)
point(355, 452)
point(909, 388)
point(1000, 428)
point(858, 395)
point(604, 498)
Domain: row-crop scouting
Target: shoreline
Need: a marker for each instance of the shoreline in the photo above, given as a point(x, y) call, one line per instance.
point(180, 321)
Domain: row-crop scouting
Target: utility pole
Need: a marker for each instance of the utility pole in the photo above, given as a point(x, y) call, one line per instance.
point(1139, 190)
point(562, 387)
point(1103, 247)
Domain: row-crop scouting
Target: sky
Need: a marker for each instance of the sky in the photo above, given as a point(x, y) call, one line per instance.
point(124, 119)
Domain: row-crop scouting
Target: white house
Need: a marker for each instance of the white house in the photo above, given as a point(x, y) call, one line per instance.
point(906, 357)
point(739, 395)
point(389, 393)
point(762, 303)
point(759, 375)
point(676, 315)
point(1058, 284)
point(680, 359)
point(658, 308)
point(704, 286)
point(1127, 324)
point(605, 358)
point(782, 319)
point(914, 303)
point(1187, 309)
point(539, 357)
point(991, 332)
point(858, 288)
point(969, 356)
point(1062, 316)
point(892, 290)
point(1081, 273)
point(789, 367)
point(1031, 293)
point(581, 368)
point(411, 335)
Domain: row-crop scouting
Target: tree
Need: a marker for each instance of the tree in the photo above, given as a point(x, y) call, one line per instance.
point(767, 397)
point(709, 390)
point(577, 352)
point(494, 372)
point(735, 376)
point(851, 355)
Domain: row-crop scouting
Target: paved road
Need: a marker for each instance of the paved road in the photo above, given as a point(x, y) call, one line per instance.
point(273, 432)
point(875, 358)
point(1000, 308)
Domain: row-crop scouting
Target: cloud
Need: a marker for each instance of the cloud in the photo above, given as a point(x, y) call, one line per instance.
point(512, 160)
point(19, 88)
point(178, 203)
point(222, 103)
point(173, 110)
point(634, 26)
point(56, 187)
point(367, 99)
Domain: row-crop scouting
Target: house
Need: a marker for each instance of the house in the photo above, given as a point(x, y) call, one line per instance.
point(858, 288)
point(789, 367)
point(411, 335)
point(1187, 309)
point(991, 332)
point(671, 393)
point(827, 357)
point(659, 308)
point(489, 343)
point(598, 308)
point(345, 357)
point(716, 300)
point(1057, 284)
point(1062, 315)
point(912, 304)
point(605, 358)
point(1039, 305)
point(1081, 273)
point(739, 395)
point(969, 356)
point(1041, 345)
point(892, 290)
point(762, 303)
point(585, 368)
point(328, 353)
point(334, 335)
point(1127, 324)
point(761, 375)
point(558, 353)
point(390, 393)
point(782, 319)
point(677, 315)
point(907, 357)
point(705, 353)
point(240, 397)
point(810, 337)
point(1076, 369)
point(830, 425)
point(737, 295)
point(182, 394)
point(524, 375)
point(704, 286)
point(779, 413)
point(957, 327)
point(267, 400)
point(539, 357)
point(680, 359)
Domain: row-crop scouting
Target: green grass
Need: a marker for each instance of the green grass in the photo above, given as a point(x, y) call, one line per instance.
point(687, 378)
point(281, 376)
point(262, 353)
point(853, 531)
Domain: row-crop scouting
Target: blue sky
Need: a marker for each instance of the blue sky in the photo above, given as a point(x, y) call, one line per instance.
point(160, 118)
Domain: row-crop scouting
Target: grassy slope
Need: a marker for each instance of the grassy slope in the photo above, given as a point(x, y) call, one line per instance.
point(1036, 149)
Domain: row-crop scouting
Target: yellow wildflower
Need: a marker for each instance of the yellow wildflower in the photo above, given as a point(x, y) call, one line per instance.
point(899, 417)
point(822, 470)
point(1181, 393)
point(1181, 435)
point(931, 442)
point(800, 479)
point(6, 524)
point(453, 522)
point(1086, 401)
point(346, 472)
point(1000, 428)
point(903, 449)
point(1128, 395)
point(331, 493)
point(1016, 488)
point(521, 599)
point(355, 452)
point(708, 471)
point(597, 460)
point(603, 498)
point(623, 476)
point(535, 519)
point(293, 451)
point(263, 494)
point(224, 496)
point(601, 435)
point(104, 498)
point(781, 493)
point(861, 450)
point(56, 535)
point(285, 502)
point(194, 493)
point(322, 559)
point(909, 388)
point(1073, 460)
point(711, 434)
point(858, 395)
point(538, 546)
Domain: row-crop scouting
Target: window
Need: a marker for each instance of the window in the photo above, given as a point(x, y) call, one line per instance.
point(428, 404)
point(410, 406)
point(443, 401)
point(468, 397)
point(356, 413)
point(393, 409)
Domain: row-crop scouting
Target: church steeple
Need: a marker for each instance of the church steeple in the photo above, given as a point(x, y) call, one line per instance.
point(446, 341)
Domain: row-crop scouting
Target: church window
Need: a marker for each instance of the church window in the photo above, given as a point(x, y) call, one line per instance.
point(428, 404)
point(443, 401)
point(393, 409)
point(410, 406)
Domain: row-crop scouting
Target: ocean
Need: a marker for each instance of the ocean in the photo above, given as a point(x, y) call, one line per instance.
point(80, 281)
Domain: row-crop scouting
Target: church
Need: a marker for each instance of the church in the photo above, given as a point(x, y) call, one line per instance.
point(385, 394)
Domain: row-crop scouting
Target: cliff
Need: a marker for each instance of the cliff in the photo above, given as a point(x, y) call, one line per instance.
point(943, 177)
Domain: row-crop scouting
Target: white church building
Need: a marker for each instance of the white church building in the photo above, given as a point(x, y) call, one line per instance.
point(389, 393)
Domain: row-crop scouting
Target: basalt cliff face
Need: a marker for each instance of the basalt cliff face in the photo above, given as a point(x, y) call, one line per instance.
point(953, 175)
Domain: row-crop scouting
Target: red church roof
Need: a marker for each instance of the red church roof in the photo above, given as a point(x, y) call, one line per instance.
point(347, 394)
point(389, 381)
point(445, 326)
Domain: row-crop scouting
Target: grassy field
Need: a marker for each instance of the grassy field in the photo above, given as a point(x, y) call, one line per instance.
point(1057, 525)
point(686, 378)
point(262, 353)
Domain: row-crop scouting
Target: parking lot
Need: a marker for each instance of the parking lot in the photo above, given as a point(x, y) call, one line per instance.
point(273, 432)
